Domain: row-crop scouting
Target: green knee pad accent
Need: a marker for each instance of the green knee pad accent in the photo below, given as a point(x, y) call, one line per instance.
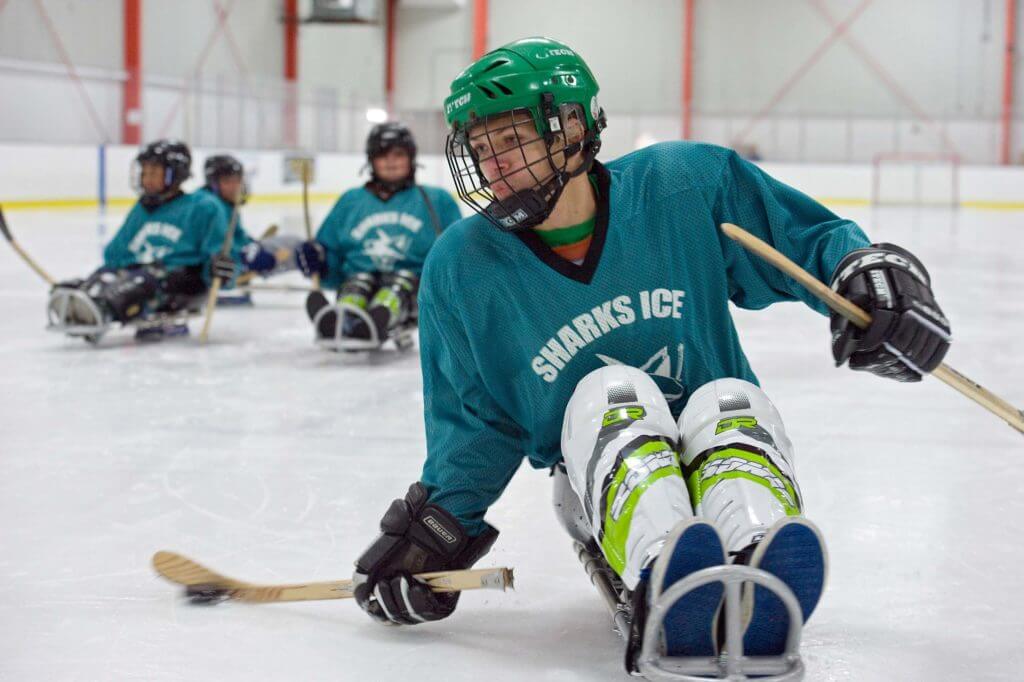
point(636, 472)
point(357, 300)
point(734, 461)
point(388, 299)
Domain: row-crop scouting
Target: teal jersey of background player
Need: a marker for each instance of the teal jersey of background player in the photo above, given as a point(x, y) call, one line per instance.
point(187, 230)
point(364, 233)
point(507, 328)
point(242, 236)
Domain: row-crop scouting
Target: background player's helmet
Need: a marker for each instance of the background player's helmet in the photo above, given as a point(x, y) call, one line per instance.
point(384, 137)
point(176, 159)
point(537, 78)
point(224, 165)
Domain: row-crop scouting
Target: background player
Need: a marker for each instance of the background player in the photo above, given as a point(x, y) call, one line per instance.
point(619, 361)
point(225, 180)
point(372, 245)
point(161, 260)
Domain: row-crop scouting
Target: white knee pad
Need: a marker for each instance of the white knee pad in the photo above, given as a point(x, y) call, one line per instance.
point(737, 460)
point(620, 446)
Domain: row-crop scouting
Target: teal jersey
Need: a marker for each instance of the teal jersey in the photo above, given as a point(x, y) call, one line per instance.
point(364, 233)
point(187, 230)
point(507, 328)
point(242, 237)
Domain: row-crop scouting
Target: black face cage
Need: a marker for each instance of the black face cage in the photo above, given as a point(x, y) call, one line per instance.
point(528, 207)
point(176, 171)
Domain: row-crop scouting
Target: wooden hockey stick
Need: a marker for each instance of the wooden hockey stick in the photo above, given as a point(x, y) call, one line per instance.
point(211, 298)
point(209, 585)
point(268, 233)
point(973, 390)
point(21, 252)
point(306, 172)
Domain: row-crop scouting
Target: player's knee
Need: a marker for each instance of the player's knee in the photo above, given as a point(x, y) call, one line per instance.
point(612, 399)
point(403, 279)
point(729, 410)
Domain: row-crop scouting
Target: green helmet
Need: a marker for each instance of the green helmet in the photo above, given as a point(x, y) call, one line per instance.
point(540, 76)
point(515, 75)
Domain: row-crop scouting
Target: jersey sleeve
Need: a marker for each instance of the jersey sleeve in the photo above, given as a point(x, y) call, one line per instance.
point(792, 222)
point(447, 210)
point(209, 223)
point(116, 253)
point(242, 239)
point(330, 235)
point(473, 446)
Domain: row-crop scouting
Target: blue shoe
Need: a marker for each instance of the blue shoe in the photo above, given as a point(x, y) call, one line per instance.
point(793, 551)
point(689, 626)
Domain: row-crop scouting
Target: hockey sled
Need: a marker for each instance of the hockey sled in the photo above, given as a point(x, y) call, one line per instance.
point(731, 664)
point(91, 324)
point(402, 336)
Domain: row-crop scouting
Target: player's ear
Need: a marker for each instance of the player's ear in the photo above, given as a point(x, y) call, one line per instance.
point(575, 128)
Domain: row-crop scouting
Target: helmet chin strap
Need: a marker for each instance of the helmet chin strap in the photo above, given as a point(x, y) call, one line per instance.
point(157, 199)
point(392, 186)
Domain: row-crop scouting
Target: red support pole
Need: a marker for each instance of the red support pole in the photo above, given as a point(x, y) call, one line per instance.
point(131, 92)
point(1011, 39)
point(290, 133)
point(479, 28)
point(389, 57)
point(687, 68)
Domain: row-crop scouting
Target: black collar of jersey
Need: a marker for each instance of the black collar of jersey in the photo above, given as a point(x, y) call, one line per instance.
point(584, 272)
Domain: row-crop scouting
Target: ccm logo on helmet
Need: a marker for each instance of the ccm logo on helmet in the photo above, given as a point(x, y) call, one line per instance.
point(554, 52)
point(434, 525)
point(460, 101)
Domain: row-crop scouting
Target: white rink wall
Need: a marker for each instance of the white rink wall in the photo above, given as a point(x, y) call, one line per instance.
point(42, 176)
point(46, 176)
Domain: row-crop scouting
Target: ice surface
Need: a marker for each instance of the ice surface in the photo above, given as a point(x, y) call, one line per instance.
point(272, 461)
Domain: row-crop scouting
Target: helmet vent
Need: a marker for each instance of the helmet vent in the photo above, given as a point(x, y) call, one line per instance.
point(495, 64)
point(489, 93)
point(501, 87)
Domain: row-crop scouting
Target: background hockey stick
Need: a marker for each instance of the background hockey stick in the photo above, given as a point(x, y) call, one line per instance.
point(21, 252)
point(204, 585)
point(211, 298)
point(973, 390)
point(306, 172)
point(249, 285)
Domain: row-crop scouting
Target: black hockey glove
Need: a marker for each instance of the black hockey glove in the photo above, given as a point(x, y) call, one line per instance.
point(311, 258)
point(223, 267)
point(416, 537)
point(908, 335)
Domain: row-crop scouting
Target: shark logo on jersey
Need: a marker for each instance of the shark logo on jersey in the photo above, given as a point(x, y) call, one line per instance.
point(660, 366)
point(148, 252)
point(385, 249)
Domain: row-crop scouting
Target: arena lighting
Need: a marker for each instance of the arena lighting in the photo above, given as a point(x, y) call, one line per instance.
point(644, 140)
point(375, 115)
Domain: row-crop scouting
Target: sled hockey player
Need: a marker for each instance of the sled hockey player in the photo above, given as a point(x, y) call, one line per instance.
point(371, 248)
point(158, 265)
point(581, 320)
point(225, 181)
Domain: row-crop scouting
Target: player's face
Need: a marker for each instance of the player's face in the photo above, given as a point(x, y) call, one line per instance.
point(152, 178)
point(393, 165)
point(511, 154)
point(230, 188)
